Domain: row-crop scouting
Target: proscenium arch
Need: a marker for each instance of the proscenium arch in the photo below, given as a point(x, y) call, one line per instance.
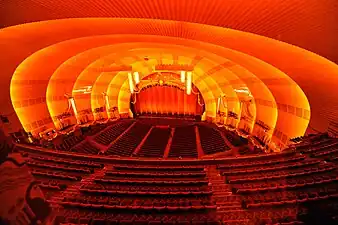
point(330, 71)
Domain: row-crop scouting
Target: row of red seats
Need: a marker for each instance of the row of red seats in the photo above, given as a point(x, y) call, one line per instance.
point(75, 217)
point(58, 167)
point(259, 161)
point(110, 134)
point(284, 198)
point(91, 206)
point(52, 184)
point(324, 147)
point(287, 184)
point(311, 144)
point(153, 178)
point(270, 168)
point(158, 168)
point(67, 162)
point(275, 173)
point(117, 199)
point(133, 181)
point(156, 174)
point(261, 217)
point(151, 188)
point(284, 174)
point(141, 200)
point(56, 175)
point(327, 152)
point(143, 192)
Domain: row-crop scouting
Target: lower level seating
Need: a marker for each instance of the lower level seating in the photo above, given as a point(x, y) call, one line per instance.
point(155, 143)
point(184, 143)
point(126, 144)
point(211, 140)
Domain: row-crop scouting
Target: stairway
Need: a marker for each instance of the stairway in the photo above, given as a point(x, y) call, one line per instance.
point(227, 202)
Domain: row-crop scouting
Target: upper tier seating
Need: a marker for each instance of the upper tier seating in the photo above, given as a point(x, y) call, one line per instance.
point(184, 143)
point(260, 189)
point(111, 133)
point(126, 145)
point(56, 174)
point(155, 143)
point(142, 194)
point(211, 140)
point(281, 181)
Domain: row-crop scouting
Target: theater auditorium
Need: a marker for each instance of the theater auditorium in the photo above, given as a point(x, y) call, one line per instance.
point(177, 112)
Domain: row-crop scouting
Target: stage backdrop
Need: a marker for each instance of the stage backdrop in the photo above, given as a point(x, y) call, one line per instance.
point(165, 99)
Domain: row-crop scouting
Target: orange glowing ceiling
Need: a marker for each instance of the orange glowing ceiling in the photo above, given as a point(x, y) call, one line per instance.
point(310, 24)
point(291, 86)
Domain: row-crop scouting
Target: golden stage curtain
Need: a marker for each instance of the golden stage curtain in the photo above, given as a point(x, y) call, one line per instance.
point(166, 100)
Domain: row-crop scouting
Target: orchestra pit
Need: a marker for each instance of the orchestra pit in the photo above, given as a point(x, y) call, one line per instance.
point(158, 112)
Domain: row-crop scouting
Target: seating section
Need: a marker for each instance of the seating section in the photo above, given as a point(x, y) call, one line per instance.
point(86, 148)
point(245, 150)
point(155, 143)
point(282, 181)
point(126, 145)
point(69, 142)
point(276, 188)
point(56, 174)
point(211, 140)
point(184, 143)
point(233, 137)
point(143, 194)
point(111, 133)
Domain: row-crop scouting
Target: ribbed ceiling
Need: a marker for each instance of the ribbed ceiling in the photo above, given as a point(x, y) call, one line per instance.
point(310, 24)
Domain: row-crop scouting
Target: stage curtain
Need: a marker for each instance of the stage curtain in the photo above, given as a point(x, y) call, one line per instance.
point(166, 100)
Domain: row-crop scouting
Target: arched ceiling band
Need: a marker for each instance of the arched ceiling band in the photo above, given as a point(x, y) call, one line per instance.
point(267, 55)
point(57, 79)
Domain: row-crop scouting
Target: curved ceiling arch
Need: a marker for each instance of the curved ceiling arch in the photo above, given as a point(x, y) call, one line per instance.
point(310, 24)
point(56, 85)
point(63, 73)
point(259, 50)
point(87, 83)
